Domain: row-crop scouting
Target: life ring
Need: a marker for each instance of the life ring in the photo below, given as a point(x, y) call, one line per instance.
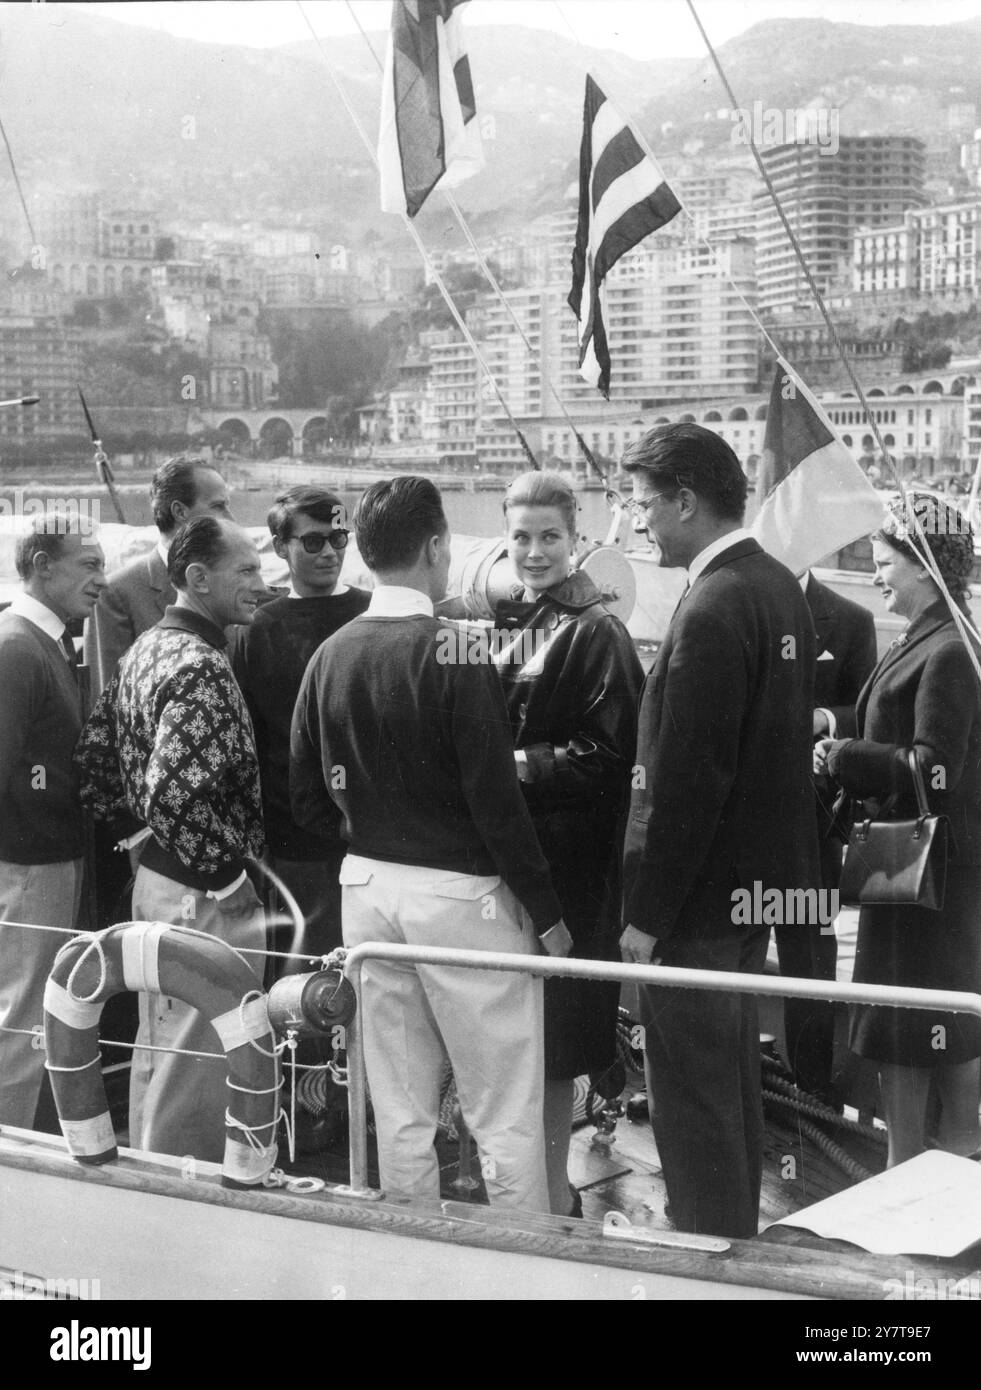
point(200, 970)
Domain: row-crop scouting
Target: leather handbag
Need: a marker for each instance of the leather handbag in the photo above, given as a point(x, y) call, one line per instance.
point(898, 862)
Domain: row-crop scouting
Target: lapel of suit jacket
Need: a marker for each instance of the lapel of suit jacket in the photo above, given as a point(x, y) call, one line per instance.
point(738, 551)
point(935, 617)
point(164, 592)
point(822, 613)
point(156, 571)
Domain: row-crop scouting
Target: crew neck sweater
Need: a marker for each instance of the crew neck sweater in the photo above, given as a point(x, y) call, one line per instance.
point(416, 753)
point(40, 721)
point(269, 658)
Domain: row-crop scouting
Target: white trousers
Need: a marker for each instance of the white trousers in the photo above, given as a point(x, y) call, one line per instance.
point(48, 894)
point(177, 1104)
point(489, 1024)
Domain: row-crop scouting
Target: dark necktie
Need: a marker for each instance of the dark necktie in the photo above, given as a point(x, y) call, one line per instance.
point(68, 647)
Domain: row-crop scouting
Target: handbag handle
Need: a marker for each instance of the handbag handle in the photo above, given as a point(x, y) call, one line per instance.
point(920, 786)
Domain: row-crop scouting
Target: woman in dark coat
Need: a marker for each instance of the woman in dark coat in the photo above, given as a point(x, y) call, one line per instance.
point(571, 678)
point(924, 695)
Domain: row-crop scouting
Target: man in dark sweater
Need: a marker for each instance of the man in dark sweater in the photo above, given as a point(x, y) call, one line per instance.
point(61, 567)
point(416, 753)
point(269, 659)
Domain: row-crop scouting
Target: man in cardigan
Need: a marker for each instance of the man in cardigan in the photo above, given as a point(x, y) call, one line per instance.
point(138, 594)
point(61, 568)
point(725, 802)
point(269, 659)
point(416, 752)
point(170, 744)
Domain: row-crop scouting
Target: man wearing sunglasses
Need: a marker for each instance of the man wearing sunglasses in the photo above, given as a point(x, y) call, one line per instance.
point(269, 659)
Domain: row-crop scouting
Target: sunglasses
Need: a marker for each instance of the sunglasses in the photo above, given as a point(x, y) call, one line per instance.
point(313, 542)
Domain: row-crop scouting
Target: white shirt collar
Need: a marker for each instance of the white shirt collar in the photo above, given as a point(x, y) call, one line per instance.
point(802, 580)
point(26, 606)
point(163, 550)
point(396, 601)
point(706, 556)
point(341, 588)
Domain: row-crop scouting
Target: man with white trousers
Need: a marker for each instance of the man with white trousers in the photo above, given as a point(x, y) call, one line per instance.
point(416, 752)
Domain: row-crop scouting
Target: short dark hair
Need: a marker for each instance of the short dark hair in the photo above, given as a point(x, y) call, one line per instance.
point(175, 481)
point(314, 502)
point(202, 541)
point(394, 520)
point(677, 456)
point(46, 536)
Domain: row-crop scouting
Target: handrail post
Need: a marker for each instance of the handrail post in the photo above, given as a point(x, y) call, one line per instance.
point(357, 1094)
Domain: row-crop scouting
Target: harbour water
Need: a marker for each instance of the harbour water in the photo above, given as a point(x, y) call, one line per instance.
point(476, 513)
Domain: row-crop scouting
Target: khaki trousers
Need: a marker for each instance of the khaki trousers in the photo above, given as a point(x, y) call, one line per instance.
point(488, 1023)
point(177, 1104)
point(48, 894)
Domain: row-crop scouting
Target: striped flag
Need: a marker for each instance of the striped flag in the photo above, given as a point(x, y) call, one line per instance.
point(429, 137)
point(623, 197)
point(812, 497)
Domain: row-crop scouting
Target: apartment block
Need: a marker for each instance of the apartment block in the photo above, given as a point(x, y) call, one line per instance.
point(827, 197)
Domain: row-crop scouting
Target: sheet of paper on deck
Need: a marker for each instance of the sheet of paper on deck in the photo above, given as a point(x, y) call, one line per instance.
point(930, 1205)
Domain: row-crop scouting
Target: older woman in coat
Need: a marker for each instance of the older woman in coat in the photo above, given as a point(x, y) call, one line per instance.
point(924, 695)
point(571, 678)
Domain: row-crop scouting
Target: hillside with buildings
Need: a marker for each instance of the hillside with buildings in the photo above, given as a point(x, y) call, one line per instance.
point(206, 257)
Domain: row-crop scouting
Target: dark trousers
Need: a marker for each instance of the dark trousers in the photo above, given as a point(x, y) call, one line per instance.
point(703, 1068)
point(809, 1024)
point(315, 886)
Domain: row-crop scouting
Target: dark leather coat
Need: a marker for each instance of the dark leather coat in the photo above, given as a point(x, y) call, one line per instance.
point(571, 679)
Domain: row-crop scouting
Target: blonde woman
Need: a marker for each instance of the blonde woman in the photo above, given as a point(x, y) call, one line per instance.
point(571, 679)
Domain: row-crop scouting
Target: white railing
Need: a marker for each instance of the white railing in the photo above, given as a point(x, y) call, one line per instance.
point(948, 1001)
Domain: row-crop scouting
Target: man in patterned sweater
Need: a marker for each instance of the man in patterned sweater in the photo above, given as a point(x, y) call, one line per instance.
point(169, 747)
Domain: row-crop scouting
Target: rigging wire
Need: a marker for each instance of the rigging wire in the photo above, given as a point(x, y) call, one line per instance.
point(916, 537)
point(17, 185)
point(964, 624)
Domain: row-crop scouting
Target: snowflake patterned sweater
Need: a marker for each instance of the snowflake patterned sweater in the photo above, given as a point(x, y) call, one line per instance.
point(170, 743)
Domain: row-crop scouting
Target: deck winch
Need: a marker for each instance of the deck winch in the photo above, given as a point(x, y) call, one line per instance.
point(311, 1005)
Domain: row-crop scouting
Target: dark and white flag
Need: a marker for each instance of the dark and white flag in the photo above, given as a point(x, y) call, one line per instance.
point(429, 136)
point(623, 197)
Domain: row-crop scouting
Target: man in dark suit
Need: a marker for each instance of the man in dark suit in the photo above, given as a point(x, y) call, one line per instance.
point(138, 595)
point(846, 656)
point(723, 802)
